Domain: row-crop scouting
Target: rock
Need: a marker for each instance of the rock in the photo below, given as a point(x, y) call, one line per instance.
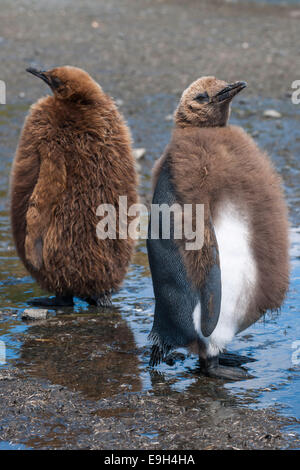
point(240, 112)
point(255, 134)
point(269, 59)
point(272, 113)
point(139, 153)
point(34, 314)
point(138, 167)
point(6, 377)
point(295, 14)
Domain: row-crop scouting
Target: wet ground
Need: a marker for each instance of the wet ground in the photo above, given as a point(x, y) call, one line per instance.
point(80, 379)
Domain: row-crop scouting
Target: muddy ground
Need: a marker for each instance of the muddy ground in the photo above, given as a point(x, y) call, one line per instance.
point(144, 53)
point(47, 416)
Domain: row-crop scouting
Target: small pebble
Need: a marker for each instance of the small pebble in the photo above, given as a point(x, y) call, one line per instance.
point(138, 167)
point(6, 377)
point(34, 314)
point(295, 14)
point(255, 134)
point(240, 113)
point(272, 113)
point(139, 153)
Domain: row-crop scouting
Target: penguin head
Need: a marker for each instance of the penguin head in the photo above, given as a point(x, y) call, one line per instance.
point(69, 83)
point(206, 103)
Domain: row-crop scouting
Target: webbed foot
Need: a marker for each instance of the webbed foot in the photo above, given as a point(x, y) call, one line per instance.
point(212, 368)
point(233, 359)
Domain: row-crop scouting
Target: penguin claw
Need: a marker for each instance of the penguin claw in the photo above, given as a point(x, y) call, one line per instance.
point(52, 302)
point(103, 300)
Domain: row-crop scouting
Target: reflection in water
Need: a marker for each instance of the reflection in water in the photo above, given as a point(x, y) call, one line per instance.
point(10, 446)
point(94, 354)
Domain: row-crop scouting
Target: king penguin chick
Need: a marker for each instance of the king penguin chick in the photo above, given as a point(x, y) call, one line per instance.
point(205, 296)
point(74, 154)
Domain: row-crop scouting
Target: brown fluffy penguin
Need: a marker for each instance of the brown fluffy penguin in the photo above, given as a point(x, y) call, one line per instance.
point(74, 154)
point(206, 296)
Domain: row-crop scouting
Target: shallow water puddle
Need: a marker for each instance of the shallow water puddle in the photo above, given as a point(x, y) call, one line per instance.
point(4, 445)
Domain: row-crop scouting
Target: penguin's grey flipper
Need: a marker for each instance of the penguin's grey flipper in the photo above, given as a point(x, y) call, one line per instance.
point(210, 292)
point(176, 297)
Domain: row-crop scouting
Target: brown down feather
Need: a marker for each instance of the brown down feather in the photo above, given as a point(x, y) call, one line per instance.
point(212, 165)
point(74, 153)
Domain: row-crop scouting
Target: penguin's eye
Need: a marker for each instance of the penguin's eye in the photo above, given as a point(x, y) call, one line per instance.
point(55, 82)
point(202, 98)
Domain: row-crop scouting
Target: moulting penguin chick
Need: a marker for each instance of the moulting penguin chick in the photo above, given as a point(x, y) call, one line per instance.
point(207, 295)
point(74, 154)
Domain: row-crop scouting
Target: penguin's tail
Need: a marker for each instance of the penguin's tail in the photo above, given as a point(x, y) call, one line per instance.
point(159, 349)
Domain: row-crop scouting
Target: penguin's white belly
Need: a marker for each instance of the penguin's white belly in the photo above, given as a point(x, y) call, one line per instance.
point(238, 277)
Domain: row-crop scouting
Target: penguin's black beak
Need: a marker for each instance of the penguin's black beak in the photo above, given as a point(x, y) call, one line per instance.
point(40, 74)
point(229, 92)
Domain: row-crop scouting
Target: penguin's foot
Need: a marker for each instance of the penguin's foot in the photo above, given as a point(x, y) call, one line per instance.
point(102, 300)
point(57, 301)
point(234, 360)
point(212, 368)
